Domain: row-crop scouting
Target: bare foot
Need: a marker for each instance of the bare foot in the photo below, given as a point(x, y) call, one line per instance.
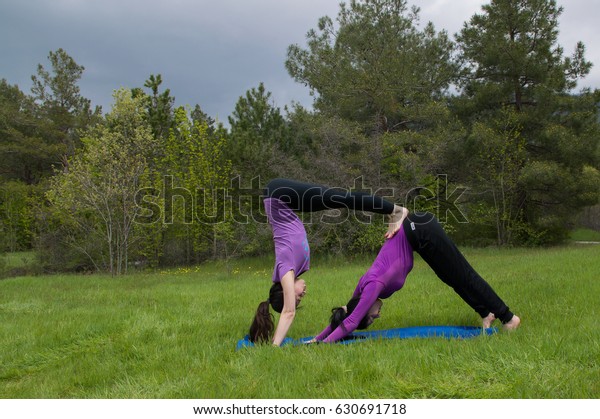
point(395, 221)
point(512, 324)
point(488, 320)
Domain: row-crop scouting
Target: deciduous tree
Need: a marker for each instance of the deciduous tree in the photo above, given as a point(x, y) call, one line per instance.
point(97, 194)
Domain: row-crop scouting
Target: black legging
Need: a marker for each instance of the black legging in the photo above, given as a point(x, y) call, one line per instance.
point(430, 241)
point(307, 197)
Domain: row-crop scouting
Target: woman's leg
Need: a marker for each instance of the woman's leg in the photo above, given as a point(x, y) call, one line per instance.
point(436, 248)
point(307, 197)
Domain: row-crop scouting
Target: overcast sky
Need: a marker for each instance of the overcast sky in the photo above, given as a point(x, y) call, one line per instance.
point(208, 52)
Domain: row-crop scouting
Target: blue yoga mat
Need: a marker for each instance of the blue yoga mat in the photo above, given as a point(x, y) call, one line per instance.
point(448, 332)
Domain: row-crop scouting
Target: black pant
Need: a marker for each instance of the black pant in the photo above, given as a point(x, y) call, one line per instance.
point(307, 197)
point(430, 241)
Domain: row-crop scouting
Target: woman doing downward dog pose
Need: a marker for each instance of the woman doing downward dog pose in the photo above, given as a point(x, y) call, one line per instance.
point(292, 253)
point(422, 233)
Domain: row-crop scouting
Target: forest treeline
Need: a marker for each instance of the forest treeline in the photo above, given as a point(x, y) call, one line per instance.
point(487, 128)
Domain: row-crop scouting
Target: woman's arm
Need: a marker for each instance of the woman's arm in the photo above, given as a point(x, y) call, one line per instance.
point(327, 331)
point(289, 308)
point(323, 334)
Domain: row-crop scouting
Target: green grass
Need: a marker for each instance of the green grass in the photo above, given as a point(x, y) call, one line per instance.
point(173, 334)
point(18, 264)
point(18, 259)
point(585, 234)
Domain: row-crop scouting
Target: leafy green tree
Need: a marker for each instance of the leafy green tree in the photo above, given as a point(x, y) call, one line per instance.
point(25, 154)
point(257, 132)
point(160, 107)
point(17, 216)
point(97, 194)
point(500, 154)
point(514, 61)
point(512, 53)
point(62, 107)
point(563, 171)
point(200, 117)
point(375, 66)
point(160, 116)
point(195, 175)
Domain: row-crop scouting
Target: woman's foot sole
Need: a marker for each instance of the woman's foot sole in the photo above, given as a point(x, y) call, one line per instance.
point(395, 221)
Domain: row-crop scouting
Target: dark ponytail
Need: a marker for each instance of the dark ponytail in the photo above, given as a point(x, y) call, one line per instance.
point(262, 326)
point(338, 315)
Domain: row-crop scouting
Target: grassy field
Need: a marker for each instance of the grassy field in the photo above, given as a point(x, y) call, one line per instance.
point(18, 259)
point(173, 334)
point(585, 234)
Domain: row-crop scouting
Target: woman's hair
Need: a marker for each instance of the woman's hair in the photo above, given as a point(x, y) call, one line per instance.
point(338, 314)
point(276, 297)
point(262, 326)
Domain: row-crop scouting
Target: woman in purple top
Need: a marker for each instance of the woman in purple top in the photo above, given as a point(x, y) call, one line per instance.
point(385, 276)
point(283, 198)
point(422, 233)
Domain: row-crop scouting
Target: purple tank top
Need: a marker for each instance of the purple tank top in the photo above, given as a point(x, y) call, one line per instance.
point(292, 252)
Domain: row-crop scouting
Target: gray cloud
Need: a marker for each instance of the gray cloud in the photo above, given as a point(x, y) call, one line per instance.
point(208, 53)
